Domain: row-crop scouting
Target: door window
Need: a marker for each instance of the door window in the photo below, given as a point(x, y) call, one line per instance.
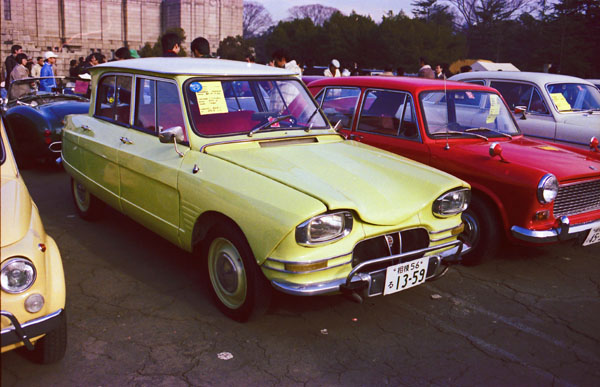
point(113, 98)
point(389, 113)
point(537, 104)
point(515, 94)
point(340, 104)
point(145, 112)
point(168, 106)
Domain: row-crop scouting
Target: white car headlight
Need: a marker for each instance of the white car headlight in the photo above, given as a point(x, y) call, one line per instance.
point(18, 274)
point(547, 189)
point(324, 228)
point(452, 202)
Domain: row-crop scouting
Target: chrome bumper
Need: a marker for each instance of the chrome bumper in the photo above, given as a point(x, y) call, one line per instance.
point(358, 278)
point(23, 333)
point(562, 232)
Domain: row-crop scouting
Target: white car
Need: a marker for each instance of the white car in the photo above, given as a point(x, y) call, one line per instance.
point(553, 107)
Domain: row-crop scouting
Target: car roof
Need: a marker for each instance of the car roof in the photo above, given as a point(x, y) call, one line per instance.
point(194, 66)
point(539, 78)
point(405, 83)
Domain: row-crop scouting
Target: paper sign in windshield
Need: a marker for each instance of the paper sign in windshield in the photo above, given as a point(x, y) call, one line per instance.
point(211, 99)
point(494, 109)
point(560, 102)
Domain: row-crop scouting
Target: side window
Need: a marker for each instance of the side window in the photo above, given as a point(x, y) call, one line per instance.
point(409, 128)
point(340, 104)
point(168, 106)
point(537, 104)
point(123, 100)
point(105, 97)
point(145, 111)
point(382, 111)
point(515, 94)
point(475, 81)
point(113, 98)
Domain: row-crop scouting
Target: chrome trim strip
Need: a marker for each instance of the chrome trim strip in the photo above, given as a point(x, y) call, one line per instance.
point(307, 262)
point(308, 271)
point(446, 230)
point(554, 234)
point(30, 322)
point(442, 239)
point(203, 147)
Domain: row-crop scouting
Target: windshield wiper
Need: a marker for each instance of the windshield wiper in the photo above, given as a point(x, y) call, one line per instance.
point(269, 123)
point(455, 132)
point(489, 130)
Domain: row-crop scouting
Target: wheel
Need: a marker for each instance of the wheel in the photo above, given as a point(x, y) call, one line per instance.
point(87, 205)
point(482, 232)
point(239, 288)
point(52, 347)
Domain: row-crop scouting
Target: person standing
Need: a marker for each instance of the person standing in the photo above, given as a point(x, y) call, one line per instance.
point(37, 67)
point(48, 71)
point(281, 60)
point(333, 70)
point(171, 44)
point(11, 60)
point(439, 73)
point(19, 72)
point(425, 71)
point(200, 48)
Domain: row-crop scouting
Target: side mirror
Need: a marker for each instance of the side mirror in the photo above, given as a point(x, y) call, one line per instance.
point(594, 144)
point(521, 109)
point(174, 135)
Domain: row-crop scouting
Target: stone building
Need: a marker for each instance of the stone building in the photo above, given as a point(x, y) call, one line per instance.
point(74, 28)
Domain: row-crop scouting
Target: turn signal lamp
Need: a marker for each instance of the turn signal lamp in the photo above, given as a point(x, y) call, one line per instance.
point(541, 215)
point(305, 267)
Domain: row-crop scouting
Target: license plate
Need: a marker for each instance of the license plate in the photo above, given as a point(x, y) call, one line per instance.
point(405, 275)
point(593, 236)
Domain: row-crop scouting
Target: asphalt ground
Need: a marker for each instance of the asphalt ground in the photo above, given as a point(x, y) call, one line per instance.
point(139, 314)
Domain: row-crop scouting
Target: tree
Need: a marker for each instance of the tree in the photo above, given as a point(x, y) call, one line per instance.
point(431, 11)
point(256, 19)
point(477, 12)
point(316, 12)
point(234, 48)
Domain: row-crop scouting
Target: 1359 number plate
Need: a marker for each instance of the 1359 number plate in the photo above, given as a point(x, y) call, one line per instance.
point(405, 275)
point(593, 236)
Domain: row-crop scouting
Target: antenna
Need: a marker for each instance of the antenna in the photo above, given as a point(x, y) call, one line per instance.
point(447, 147)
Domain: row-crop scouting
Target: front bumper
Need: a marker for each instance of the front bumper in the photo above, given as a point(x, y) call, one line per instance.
point(17, 333)
point(562, 232)
point(372, 282)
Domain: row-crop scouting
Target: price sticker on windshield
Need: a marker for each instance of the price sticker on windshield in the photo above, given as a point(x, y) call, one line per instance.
point(494, 109)
point(210, 97)
point(560, 102)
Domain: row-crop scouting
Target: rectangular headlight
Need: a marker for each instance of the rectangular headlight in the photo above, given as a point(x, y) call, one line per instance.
point(452, 202)
point(324, 228)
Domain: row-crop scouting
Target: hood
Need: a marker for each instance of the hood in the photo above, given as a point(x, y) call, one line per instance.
point(382, 188)
point(564, 164)
point(16, 210)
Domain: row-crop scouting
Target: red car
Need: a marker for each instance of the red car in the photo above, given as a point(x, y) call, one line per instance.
point(521, 189)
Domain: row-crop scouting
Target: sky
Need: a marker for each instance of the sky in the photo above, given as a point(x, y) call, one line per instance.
point(375, 8)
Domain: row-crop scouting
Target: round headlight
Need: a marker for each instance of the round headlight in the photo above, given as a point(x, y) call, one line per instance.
point(18, 274)
point(547, 189)
point(452, 202)
point(324, 228)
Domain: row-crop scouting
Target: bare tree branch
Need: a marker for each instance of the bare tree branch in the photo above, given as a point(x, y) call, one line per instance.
point(489, 11)
point(256, 19)
point(316, 12)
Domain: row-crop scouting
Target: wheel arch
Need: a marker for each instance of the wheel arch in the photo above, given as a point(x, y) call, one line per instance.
point(207, 222)
point(494, 203)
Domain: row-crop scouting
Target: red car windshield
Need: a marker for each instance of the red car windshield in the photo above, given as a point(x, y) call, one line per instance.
point(466, 111)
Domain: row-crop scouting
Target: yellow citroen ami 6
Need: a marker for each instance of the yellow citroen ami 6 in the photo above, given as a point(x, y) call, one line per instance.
point(236, 163)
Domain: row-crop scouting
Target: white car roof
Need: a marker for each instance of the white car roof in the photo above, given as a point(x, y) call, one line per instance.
point(538, 78)
point(195, 66)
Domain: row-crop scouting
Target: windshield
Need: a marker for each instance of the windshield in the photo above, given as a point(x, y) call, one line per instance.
point(29, 87)
point(466, 111)
point(231, 107)
point(572, 97)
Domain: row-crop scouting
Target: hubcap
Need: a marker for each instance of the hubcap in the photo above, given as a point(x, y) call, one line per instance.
point(471, 233)
point(227, 273)
point(82, 196)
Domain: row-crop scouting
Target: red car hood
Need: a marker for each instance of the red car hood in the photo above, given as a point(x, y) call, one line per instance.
point(564, 164)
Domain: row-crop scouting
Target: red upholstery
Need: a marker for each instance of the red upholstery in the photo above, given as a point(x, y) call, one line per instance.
point(224, 123)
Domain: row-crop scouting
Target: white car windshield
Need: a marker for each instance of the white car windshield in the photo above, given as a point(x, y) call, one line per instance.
point(466, 112)
point(228, 107)
point(572, 97)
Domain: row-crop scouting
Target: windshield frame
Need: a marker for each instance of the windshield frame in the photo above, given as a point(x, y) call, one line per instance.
point(36, 93)
point(578, 111)
point(185, 85)
point(470, 135)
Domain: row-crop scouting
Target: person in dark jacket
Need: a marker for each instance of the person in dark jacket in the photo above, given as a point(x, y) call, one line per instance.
point(171, 44)
point(200, 48)
point(11, 60)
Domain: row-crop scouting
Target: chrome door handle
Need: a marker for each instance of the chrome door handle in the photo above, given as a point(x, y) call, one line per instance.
point(85, 127)
point(125, 140)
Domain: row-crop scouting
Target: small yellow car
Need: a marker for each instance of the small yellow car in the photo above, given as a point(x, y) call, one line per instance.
point(33, 282)
point(236, 163)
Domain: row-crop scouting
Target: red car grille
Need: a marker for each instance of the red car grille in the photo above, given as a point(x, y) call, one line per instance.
point(577, 198)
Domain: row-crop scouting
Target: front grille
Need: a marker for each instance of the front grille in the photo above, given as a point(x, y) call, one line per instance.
point(577, 198)
point(390, 244)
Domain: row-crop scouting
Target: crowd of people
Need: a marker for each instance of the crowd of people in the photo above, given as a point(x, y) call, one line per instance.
point(19, 66)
